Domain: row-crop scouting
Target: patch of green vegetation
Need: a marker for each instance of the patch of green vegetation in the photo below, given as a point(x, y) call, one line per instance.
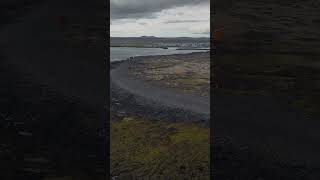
point(188, 133)
point(205, 94)
point(144, 148)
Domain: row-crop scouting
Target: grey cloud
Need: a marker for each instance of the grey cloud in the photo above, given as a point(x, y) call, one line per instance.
point(134, 9)
point(183, 21)
point(142, 23)
point(202, 33)
point(205, 30)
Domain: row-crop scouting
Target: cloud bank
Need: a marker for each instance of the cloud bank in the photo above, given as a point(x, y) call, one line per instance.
point(146, 8)
point(168, 18)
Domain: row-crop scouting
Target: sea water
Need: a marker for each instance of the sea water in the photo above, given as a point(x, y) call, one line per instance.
point(122, 53)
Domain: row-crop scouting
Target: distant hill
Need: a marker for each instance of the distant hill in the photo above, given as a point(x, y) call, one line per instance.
point(148, 37)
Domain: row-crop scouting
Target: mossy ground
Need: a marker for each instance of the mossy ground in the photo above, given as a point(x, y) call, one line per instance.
point(145, 148)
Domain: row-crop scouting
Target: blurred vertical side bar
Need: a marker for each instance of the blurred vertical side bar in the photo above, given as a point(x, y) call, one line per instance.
point(108, 93)
point(54, 87)
point(265, 119)
point(212, 52)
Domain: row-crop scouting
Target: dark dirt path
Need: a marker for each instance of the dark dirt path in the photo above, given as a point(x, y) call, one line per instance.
point(159, 95)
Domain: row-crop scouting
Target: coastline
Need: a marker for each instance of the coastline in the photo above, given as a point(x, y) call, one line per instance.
point(177, 47)
point(153, 110)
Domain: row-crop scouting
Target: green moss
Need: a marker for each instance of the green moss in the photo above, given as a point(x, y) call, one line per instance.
point(187, 133)
point(205, 94)
point(148, 148)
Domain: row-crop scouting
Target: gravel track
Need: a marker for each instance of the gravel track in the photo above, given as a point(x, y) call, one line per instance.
point(163, 103)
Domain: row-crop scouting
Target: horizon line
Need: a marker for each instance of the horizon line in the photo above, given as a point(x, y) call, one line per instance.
point(160, 36)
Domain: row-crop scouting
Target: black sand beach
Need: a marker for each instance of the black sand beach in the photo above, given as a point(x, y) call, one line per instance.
point(161, 99)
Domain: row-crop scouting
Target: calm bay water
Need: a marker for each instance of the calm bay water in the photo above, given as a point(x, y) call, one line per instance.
point(122, 53)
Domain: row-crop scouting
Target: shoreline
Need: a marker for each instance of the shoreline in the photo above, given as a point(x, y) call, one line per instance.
point(145, 56)
point(152, 108)
point(177, 47)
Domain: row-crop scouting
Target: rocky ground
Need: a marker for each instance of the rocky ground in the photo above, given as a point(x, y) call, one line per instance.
point(189, 72)
point(173, 146)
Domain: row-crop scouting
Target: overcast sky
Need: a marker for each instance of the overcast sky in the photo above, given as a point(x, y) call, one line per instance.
point(161, 18)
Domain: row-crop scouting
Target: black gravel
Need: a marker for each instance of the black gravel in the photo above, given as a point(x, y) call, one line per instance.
point(124, 103)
